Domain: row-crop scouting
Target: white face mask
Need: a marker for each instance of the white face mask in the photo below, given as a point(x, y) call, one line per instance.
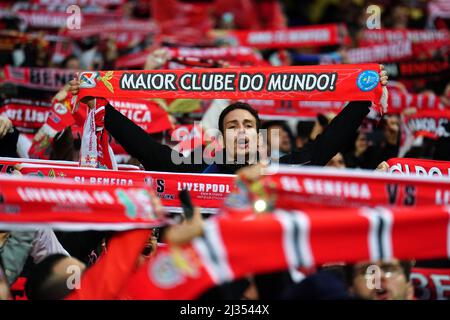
point(276, 154)
point(18, 57)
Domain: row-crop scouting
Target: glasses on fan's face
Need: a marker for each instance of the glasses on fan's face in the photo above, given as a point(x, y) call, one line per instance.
point(390, 269)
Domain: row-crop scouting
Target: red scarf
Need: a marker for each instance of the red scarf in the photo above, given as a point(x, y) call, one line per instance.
point(73, 206)
point(59, 118)
point(207, 191)
point(424, 167)
point(231, 246)
point(95, 150)
point(336, 83)
point(124, 31)
point(51, 79)
point(310, 36)
point(310, 187)
point(234, 55)
point(6, 164)
point(431, 284)
point(429, 123)
point(288, 188)
point(438, 37)
point(393, 51)
point(26, 115)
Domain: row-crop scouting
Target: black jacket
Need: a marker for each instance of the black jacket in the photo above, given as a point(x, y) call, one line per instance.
point(8, 144)
point(157, 157)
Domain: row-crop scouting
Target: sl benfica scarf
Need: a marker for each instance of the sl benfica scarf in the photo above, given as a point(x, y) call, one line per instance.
point(207, 191)
point(419, 167)
point(51, 79)
point(231, 246)
point(336, 82)
point(311, 36)
point(73, 206)
point(431, 284)
point(26, 115)
point(429, 123)
point(301, 188)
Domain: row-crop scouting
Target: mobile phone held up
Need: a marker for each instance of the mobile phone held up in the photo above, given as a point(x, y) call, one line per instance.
point(186, 204)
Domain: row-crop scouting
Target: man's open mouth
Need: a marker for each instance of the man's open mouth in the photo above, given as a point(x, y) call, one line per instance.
point(242, 142)
point(381, 294)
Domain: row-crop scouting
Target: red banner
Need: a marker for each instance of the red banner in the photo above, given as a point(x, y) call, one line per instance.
point(51, 79)
point(424, 167)
point(310, 36)
point(429, 123)
point(7, 164)
point(307, 187)
point(431, 284)
point(73, 206)
point(146, 114)
point(26, 115)
point(336, 82)
point(207, 191)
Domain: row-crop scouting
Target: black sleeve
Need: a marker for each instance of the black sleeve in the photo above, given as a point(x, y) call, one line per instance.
point(8, 144)
point(339, 132)
point(153, 155)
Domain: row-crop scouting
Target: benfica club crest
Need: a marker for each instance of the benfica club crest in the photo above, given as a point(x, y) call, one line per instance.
point(88, 79)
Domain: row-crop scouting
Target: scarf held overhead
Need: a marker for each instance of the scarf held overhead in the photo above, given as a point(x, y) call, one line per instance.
point(306, 187)
point(335, 82)
point(310, 36)
point(291, 239)
point(207, 191)
point(74, 206)
point(407, 166)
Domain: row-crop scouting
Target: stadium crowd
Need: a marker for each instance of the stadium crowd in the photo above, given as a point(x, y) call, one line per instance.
point(42, 58)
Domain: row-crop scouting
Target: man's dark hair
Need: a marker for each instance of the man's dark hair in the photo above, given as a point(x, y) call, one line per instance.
point(304, 128)
point(67, 59)
point(42, 284)
point(238, 105)
point(278, 123)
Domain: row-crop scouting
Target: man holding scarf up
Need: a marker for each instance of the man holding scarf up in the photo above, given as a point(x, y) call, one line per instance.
point(239, 124)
